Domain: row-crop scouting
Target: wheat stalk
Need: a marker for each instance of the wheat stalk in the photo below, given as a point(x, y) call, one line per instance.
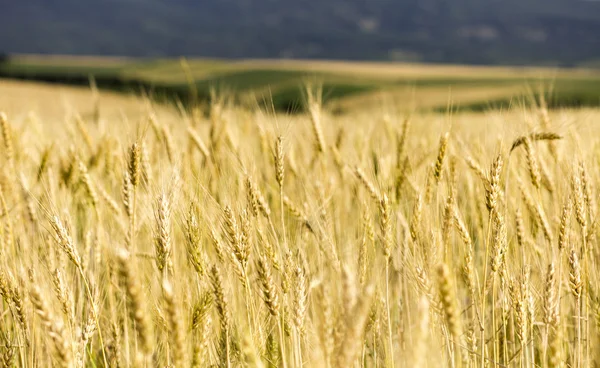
point(136, 302)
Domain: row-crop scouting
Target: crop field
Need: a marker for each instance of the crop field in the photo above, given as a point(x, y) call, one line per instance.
point(400, 233)
point(279, 84)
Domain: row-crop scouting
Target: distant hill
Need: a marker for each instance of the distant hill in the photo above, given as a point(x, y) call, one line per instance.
point(552, 32)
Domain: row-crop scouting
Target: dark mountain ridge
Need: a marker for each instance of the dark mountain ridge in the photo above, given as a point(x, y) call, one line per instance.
point(555, 32)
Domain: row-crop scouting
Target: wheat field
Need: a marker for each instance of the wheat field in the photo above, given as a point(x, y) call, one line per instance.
point(232, 237)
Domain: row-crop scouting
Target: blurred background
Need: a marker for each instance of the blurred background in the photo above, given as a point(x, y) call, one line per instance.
point(556, 32)
point(240, 44)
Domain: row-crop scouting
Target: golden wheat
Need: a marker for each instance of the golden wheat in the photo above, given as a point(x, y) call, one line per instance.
point(245, 243)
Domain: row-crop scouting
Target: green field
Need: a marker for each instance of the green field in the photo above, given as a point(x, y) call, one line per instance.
point(280, 84)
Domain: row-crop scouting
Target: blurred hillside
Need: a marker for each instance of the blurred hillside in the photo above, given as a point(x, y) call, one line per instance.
point(551, 32)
